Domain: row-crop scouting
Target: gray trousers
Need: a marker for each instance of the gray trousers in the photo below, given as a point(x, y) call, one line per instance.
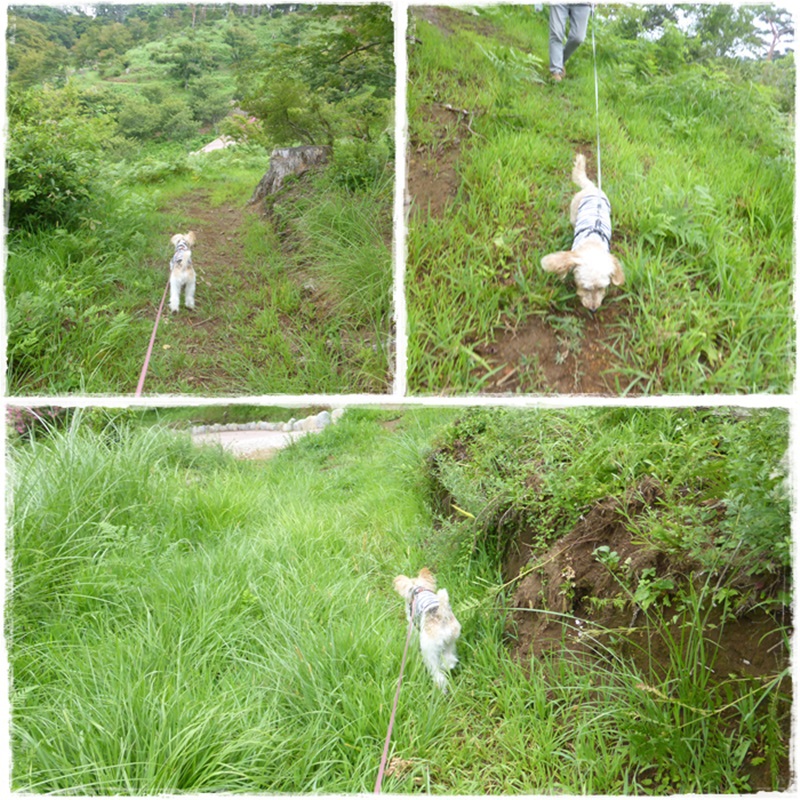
point(578, 16)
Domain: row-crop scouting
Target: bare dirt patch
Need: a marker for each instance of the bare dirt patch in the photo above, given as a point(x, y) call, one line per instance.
point(570, 603)
point(451, 20)
point(570, 354)
point(432, 178)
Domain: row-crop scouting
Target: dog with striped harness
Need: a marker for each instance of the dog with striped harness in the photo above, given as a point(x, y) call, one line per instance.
point(438, 628)
point(590, 260)
point(181, 271)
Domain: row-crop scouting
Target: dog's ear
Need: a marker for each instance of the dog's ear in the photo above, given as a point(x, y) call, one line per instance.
point(560, 263)
point(175, 239)
point(426, 577)
point(190, 238)
point(402, 584)
point(617, 276)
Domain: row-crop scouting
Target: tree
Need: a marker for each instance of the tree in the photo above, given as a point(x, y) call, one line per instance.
point(309, 89)
point(103, 41)
point(187, 58)
point(32, 56)
point(781, 24)
point(711, 30)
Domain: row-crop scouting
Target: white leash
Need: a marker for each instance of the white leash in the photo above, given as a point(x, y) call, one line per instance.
point(596, 106)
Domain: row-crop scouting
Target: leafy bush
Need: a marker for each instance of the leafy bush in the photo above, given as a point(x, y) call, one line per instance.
point(25, 422)
point(55, 149)
point(358, 164)
point(162, 117)
point(210, 99)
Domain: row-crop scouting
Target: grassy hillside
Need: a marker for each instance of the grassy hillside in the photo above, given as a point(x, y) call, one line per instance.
point(697, 158)
point(181, 622)
point(297, 300)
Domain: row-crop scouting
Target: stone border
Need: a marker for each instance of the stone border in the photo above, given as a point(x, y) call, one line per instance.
point(314, 422)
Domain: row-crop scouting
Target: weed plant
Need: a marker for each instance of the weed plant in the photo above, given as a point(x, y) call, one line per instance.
point(181, 622)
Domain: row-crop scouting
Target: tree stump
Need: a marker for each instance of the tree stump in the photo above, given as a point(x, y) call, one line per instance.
point(286, 161)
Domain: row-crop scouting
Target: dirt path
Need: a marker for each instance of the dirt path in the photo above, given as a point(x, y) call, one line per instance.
point(193, 348)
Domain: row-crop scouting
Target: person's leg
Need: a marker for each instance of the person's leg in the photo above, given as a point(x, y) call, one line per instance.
point(558, 27)
point(578, 22)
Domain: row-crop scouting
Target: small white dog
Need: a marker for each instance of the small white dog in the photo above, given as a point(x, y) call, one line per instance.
point(438, 628)
point(590, 261)
point(181, 272)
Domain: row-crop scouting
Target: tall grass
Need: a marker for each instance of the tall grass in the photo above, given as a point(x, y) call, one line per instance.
point(181, 622)
point(699, 168)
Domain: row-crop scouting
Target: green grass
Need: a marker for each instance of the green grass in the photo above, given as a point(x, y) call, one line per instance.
point(82, 304)
point(700, 172)
point(182, 622)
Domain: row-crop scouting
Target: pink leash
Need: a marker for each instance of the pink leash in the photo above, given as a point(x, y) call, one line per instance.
point(140, 385)
point(394, 707)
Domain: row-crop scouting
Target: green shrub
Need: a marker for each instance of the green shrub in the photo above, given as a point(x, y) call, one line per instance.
point(210, 100)
point(160, 117)
point(55, 149)
point(358, 164)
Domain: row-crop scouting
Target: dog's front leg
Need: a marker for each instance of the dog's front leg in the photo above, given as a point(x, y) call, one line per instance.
point(432, 656)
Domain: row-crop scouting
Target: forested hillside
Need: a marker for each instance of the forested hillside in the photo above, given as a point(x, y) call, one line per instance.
point(107, 115)
point(696, 129)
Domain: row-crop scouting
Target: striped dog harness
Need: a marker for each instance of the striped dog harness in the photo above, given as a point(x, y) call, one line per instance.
point(177, 257)
point(593, 220)
point(422, 601)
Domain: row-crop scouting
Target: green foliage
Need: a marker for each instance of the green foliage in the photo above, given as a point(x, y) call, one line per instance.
point(158, 116)
point(32, 55)
point(186, 57)
point(512, 470)
point(210, 98)
point(55, 149)
point(757, 494)
point(360, 165)
point(103, 42)
point(698, 163)
point(182, 622)
point(312, 91)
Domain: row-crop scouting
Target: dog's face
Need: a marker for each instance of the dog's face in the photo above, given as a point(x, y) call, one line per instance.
point(593, 268)
point(183, 238)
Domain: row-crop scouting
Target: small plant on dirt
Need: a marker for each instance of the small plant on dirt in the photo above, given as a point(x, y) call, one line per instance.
point(607, 557)
point(652, 589)
point(571, 331)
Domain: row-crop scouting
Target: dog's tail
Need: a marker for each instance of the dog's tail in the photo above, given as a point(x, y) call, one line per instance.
point(579, 175)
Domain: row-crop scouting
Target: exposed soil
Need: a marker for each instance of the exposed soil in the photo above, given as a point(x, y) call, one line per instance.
point(568, 602)
point(537, 356)
point(449, 20)
point(432, 180)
